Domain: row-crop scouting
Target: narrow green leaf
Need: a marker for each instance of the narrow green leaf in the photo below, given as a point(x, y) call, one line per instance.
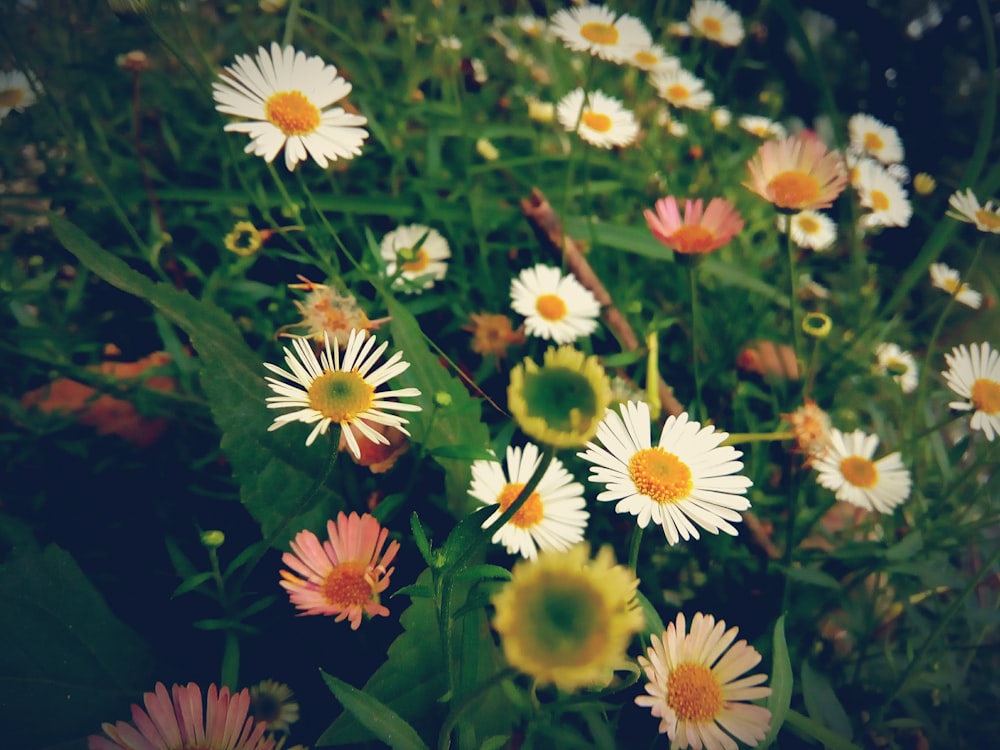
point(654, 624)
point(420, 538)
point(906, 548)
point(191, 583)
point(822, 702)
point(812, 728)
point(463, 453)
point(619, 237)
point(378, 718)
point(414, 591)
point(812, 576)
point(483, 572)
point(780, 699)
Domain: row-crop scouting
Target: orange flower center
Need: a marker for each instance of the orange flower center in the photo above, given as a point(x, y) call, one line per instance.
point(677, 93)
point(340, 396)
point(292, 113)
point(551, 307)
point(645, 59)
point(880, 201)
point(859, 471)
point(660, 475)
point(692, 238)
point(596, 121)
point(808, 224)
point(793, 189)
point(528, 515)
point(986, 396)
point(873, 142)
point(419, 262)
point(11, 97)
point(599, 33)
point(347, 585)
point(988, 219)
point(694, 693)
point(711, 26)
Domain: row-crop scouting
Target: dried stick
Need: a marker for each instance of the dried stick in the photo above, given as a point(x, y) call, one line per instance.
point(548, 228)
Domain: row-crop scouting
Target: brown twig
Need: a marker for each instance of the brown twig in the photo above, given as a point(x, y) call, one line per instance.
point(547, 226)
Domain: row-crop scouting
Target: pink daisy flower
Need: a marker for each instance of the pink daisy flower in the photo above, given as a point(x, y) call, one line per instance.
point(179, 723)
point(699, 231)
point(797, 173)
point(343, 576)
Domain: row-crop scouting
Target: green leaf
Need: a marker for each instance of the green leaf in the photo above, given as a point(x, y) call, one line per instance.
point(420, 538)
point(458, 423)
point(191, 583)
point(382, 721)
point(780, 699)
point(411, 680)
point(67, 663)
point(620, 237)
point(812, 728)
point(822, 702)
point(654, 624)
point(906, 548)
point(275, 469)
point(484, 571)
point(463, 453)
point(812, 576)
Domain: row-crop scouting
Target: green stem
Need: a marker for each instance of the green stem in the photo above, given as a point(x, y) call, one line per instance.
point(757, 437)
point(467, 701)
point(793, 296)
point(231, 647)
point(633, 549)
point(955, 607)
point(291, 21)
point(793, 509)
point(547, 455)
point(699, 405)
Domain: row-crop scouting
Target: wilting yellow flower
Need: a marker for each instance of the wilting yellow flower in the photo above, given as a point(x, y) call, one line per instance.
point(246, 239)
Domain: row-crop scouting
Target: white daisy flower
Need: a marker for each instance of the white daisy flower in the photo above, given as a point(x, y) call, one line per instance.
point(533, 26)
point(716, 21)
point(899, 363)
point(652, 58)
point(681, 88)
point(871, 136)
point(810, 229)
point(965, 207)
point(887, 199)
point(552, 518)
point(555, 306)
point(16, 92)
point(698, 686)
point(332, 389)
point(604, 122)
point(685, 482)
point(846, 468)
point(943, 277)
point(762, 127)
point(679, 29)
point(421, 266)
point(974, 374)
point(721, 118)
point(597, 30)
point(284, 94)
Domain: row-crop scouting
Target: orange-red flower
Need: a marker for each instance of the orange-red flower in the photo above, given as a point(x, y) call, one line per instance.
point(343, 576)
point(699, 231)
point(797, 173)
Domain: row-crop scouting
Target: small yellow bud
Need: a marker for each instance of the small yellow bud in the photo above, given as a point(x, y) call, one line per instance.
point(213, 539)
point(442, 398)
point(487, 150)
point(817, 325)
point(924, 184)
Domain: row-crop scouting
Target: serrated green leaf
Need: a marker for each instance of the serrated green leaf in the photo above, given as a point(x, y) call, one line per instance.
point(822, 702)
point(63, 651)
point(275, 469)
point(420, 538)
point(780, 699)
point(483, 572)
point(380, 720)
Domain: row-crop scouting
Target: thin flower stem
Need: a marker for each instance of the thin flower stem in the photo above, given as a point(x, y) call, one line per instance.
point(811, 368)
point(793, 295)
point(699, 405)
point(792, 510)
point(231, 646)
point(469, 700)
point(291, 21)
point(955, 607)
point(547, 455)
point(735, 438)
point(633, 549)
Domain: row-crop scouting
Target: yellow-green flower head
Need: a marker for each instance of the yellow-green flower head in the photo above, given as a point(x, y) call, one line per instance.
point(567, 620)
point(562, 402)
point(816, 324)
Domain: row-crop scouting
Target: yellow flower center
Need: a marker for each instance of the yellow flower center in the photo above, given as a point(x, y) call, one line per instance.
point(599, 33)
point(677, 93)
point(347, 585)
point(950, 285)
point(340, 396)
point(419, 262)
point(793, 189)
point(660, 475)
point(694, 693)
point(530, 514)
point(860, 472)
point(596, 121)
point(986, 396)
point(292, 113)
point(11, 97)
point(645, 59)
point(551, 307)
point(988, 219)
point(761, 131)
point(711, 26)
point(873, 142)
point(880, 201)
point(807, 224)
point(692, 238)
